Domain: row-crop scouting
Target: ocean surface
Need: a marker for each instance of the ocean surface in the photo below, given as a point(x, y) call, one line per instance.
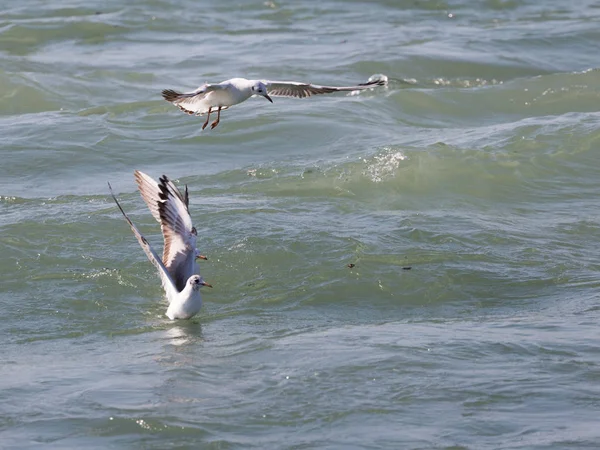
point(415, 266)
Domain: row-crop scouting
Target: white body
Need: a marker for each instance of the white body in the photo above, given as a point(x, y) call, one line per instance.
point(232, 92)
point(185, 304)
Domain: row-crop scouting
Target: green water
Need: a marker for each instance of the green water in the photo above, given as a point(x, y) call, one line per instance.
point(465, 194)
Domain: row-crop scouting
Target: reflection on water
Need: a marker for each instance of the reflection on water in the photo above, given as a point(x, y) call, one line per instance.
point(189, 332)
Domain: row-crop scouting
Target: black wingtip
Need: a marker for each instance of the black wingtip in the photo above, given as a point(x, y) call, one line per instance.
point(118, 204)
point(186, 197)
point(111, 191)
point(376, 80)
point(170, 95)
point(162, 187)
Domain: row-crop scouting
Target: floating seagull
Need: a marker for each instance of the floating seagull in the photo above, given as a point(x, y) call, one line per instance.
point(177, 269)
point(209, 97)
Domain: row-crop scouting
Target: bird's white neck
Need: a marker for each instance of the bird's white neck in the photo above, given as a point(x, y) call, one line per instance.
point(186, 304)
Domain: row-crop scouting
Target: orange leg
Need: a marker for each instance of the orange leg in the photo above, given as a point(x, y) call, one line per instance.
point(216, 122)
point(207, 117)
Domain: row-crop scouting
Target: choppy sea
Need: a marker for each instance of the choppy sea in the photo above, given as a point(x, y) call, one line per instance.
point(464, 196)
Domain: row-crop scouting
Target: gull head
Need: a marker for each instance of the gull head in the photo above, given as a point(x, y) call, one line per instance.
point(259, 88)
point(196, 282)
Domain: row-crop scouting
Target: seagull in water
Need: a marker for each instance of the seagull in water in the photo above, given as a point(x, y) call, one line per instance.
point(178, 268)
point(210, 97)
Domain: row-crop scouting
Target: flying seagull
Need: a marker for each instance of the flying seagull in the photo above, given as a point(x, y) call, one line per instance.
point(210, 97)
point(177, 268)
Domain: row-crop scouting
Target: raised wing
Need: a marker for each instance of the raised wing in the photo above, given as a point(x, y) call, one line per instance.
point(180, 252)
point(302, 90)
point(167, 281)
point(150, 192)
point(192, 102)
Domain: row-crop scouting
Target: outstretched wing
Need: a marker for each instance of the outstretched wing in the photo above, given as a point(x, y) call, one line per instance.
point(176, 223)
point(195, 102)
point(167, 281)
point(170, 208)
point(150, 192)
point(302, 90)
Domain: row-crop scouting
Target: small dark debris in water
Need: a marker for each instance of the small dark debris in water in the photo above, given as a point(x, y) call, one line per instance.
point(98, 12)
point(407, 268)
point(350, 266)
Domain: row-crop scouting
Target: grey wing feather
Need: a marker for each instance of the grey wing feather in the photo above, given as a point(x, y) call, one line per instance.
point(302, 90)
point(176, 222)
point(180, 251)
point(166, 279)
point(150, 192)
